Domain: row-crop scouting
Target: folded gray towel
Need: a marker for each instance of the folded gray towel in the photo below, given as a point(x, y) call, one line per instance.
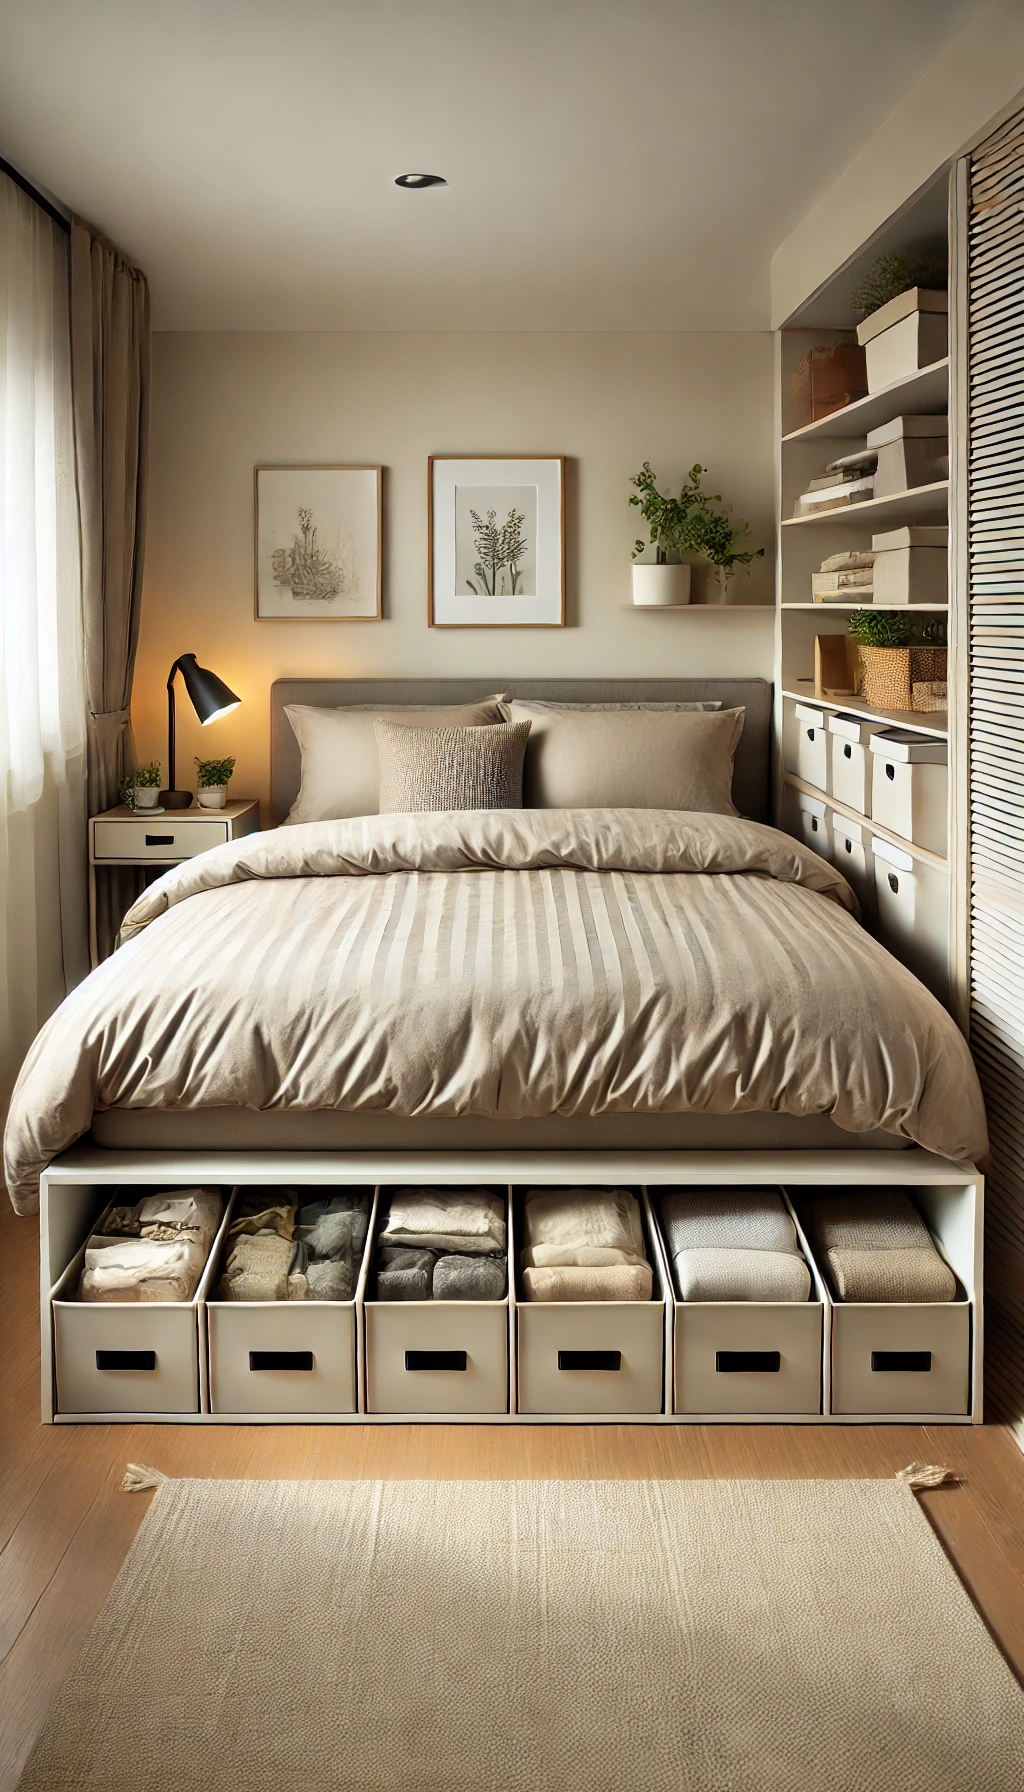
point(706, 1274)
point(330, 1278)
point(469, 1278)
point(404, 1274)
point(749, 1219)
point(867, 1219)
point(335, 1223)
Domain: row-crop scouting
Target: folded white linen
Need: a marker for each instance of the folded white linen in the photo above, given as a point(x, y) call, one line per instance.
point(195, 1210)
point(582, 1256)
point(466, 1221)
point(704, 1274)
point(606, 1217)
point(750, 1219)
point(141, 1269)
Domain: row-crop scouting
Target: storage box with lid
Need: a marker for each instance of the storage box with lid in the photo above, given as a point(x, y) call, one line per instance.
point(911, 331)
point(910, 786)
point(911, 566)
point(912, 451)
point(807, 754)
point(851, 854)
point(849, 738)
point(810, 820)
point(913, 913)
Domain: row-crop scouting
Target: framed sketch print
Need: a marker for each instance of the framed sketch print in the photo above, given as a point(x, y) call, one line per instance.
point(496, 542)
point(318, 544)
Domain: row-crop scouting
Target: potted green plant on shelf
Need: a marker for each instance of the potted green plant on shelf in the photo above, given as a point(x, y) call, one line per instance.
point(687, 525)
point(214, 778)
point(896, 652)
point(140, 788)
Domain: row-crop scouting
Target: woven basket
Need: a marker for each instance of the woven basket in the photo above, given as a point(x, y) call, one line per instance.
point(888, 674)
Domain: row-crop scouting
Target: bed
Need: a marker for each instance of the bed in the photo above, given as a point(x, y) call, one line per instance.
point(540, 979)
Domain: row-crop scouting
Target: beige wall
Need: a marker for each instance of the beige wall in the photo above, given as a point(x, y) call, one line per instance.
point(223, 403)
point(974, 78)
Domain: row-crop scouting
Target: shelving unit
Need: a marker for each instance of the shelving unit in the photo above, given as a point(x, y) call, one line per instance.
point(898, 507)
point(924, 393)
point(934, 722)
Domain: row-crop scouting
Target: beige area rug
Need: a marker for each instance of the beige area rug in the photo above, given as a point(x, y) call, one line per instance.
point(745, 1636)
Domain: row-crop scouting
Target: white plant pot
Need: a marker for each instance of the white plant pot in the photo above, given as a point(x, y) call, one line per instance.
point(213, 796)
point(145, 796)
point(661, 587)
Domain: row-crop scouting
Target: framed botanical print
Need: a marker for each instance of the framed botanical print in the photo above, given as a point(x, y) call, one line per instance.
point(318, 544)
point(496, 542)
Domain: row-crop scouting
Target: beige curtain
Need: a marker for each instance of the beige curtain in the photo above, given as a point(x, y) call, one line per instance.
point(110, 373)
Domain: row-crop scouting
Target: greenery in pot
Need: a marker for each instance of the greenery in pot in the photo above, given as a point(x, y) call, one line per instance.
point(690, 524)
point(144, 777)
point(892, 274)
point(894, 628)
point(214, 772)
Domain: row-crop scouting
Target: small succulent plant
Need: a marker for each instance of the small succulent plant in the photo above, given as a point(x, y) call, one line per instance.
point(214, 772)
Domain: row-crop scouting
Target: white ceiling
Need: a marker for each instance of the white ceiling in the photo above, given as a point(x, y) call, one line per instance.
point(613, 164)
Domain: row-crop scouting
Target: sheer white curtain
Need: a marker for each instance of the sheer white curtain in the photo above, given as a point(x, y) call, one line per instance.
point(43, 914)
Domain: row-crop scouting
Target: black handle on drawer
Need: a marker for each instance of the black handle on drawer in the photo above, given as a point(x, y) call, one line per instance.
point(747, 1362)
point(281, 1359)
point(590, 1359)
point(159, 839)
point(126, 1359)
point(917, 1362)
point(436, 1359)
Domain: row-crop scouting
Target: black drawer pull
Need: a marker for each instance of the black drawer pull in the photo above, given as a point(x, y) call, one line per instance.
point(590, 1359)
point(159, 839)
point(126, 1359)
point(747, 1362)
point(281, 1359)
point(435, 1359)
point(890, 772)
point(918, 1362)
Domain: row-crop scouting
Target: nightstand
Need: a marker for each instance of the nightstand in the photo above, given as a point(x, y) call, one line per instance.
point(124, 836)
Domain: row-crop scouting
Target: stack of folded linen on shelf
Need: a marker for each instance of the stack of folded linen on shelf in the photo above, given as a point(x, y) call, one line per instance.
point(584, 1244)
point(874, 1246)
point(278, 1250)
point(848, 480)
point(733, 1244)
point(845, 578)
point(442, 1244)
point(154, 1250)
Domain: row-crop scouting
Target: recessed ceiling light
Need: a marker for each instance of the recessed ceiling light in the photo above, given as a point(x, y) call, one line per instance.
point(420, 180)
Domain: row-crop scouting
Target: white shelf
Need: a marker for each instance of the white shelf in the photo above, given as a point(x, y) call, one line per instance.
point(700, 609)
point(933, 722)
point(859, 604)
point(899, 507)
point(924, 393)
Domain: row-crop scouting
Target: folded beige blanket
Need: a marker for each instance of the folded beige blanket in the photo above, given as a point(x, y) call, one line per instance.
point(606, 1217)
point(624, 1281)
point(870, 1219)
point(914, 1274)
point(264, 1266)
point(466, 1221)
point(141, 1269)
point(708, 1274)
point(751, 1219)
point(582, 1256)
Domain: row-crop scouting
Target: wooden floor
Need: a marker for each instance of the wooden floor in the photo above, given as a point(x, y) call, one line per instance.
point(65, 1526)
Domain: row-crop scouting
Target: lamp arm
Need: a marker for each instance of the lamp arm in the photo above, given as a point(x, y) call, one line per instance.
point(170, 725)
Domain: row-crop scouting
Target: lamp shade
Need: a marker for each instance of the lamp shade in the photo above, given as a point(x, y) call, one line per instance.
point(210, 696)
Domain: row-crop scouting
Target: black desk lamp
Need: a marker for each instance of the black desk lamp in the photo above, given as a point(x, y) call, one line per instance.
point(210, 698)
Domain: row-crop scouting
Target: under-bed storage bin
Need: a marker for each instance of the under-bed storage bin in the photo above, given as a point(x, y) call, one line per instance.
point(747, 1356)
point(913, 913)
point(909, 787)
point(435, 1356)
point(604, 1356)
point(285, 1356)
point(127, 1356)
point(850, 739)
point(807, 745)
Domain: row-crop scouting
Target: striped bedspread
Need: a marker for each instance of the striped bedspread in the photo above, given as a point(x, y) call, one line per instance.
point(509, 962)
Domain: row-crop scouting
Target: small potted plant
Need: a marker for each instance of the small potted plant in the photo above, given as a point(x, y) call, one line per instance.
point(141, 787)
point(214, 777)
point(689, 524)
point(895, 651)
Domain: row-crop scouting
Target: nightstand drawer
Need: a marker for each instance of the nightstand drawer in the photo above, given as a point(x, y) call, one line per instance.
point(158, 837)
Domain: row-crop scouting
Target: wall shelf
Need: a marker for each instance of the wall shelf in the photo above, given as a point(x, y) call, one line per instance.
point(924, 393)
point(701, 609)
point(932, 722)
point(923, 853)
point(899, 507)
point(859, 604)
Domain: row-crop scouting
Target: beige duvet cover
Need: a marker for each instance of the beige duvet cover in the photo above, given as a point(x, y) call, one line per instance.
point(508, 962)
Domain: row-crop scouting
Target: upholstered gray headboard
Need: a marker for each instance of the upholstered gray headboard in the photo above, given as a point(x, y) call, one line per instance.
point(751, 781)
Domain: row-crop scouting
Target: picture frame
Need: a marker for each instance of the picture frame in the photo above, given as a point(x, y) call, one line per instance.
point(496, 541)
point(318, 537)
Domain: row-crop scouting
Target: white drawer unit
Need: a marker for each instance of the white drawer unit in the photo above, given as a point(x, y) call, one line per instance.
point(807, 754)
point(913, 913)
point(851, 853)
point(910, 787)
point(159, 837)
point(604, 1357)
point(849, 738)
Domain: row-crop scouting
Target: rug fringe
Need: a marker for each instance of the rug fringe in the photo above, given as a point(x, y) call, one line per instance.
point(139, 1479)
point(924, 1474)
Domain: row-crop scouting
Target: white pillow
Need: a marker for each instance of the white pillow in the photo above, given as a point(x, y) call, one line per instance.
point(340, 767)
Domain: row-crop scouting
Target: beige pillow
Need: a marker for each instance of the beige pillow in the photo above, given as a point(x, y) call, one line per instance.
point(628, 758)
point(450, 768)
point(340, 770)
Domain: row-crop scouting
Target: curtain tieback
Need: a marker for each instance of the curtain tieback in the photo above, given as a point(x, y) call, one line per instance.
point(106, 722)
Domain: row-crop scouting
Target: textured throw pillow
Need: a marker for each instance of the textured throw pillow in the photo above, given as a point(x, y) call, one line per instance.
point(340, 771)
point(450, 768)
point(628, 758)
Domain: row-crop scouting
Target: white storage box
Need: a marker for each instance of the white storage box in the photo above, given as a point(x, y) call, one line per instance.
point(812, 821)
point(911, 566)
point(913, 914)
point(807, 745)
point(912, 451)
point(901, 1359)
point(435, 1356)
point(910, 787)
point(911, 331)
point(130, 1356)
point(594, 1356)
point(281, 1356)
point(851, 854)
point(851, 767)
